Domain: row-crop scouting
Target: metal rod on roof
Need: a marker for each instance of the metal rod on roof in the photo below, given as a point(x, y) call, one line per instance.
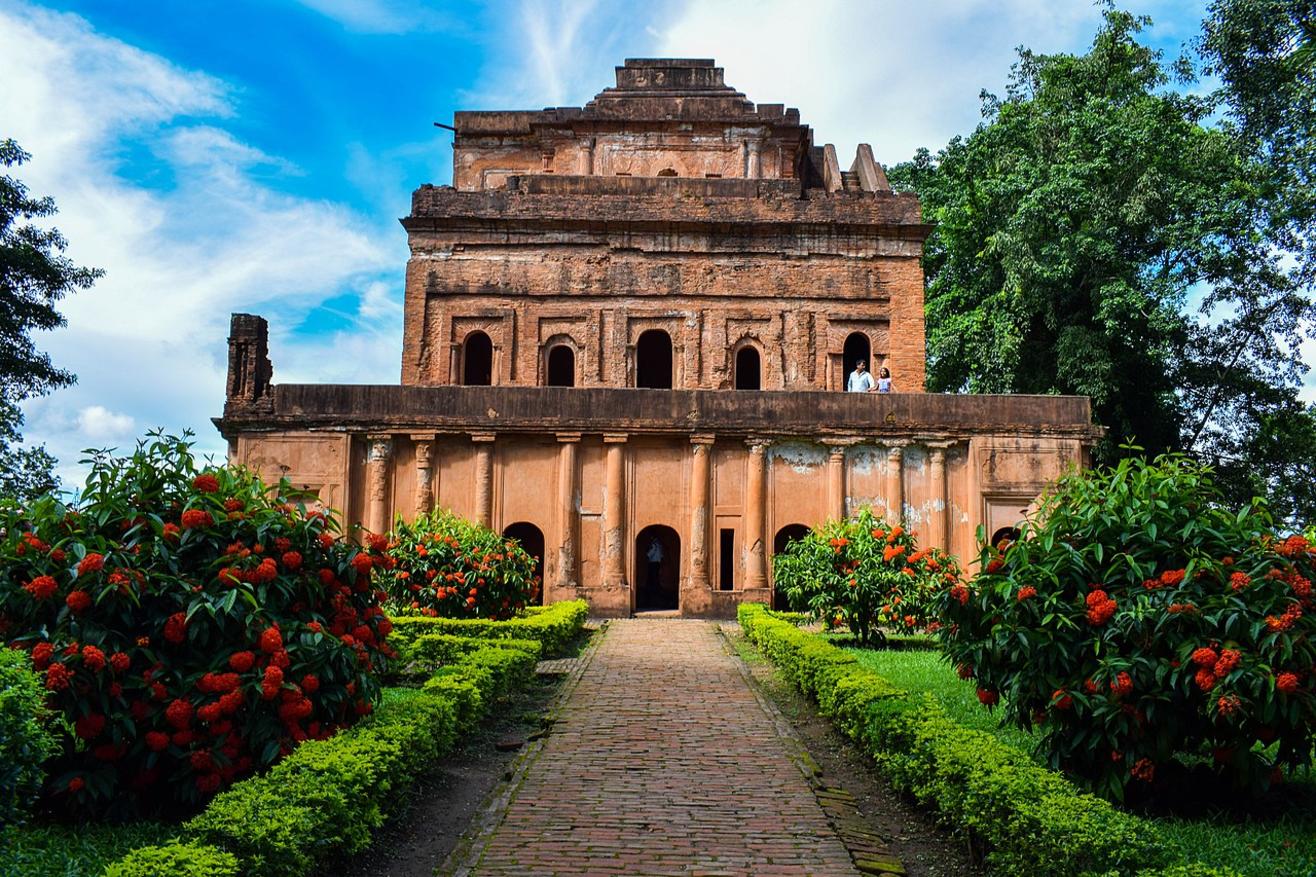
point(449, 127)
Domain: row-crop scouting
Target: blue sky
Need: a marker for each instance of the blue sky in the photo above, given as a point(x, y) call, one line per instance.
point(255, 156)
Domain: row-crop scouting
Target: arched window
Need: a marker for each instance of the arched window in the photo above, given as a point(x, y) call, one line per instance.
point(653, 360)
point(856, 348)
point(561, 366)
point(667, 172)
point(748, 372)
point(477, 360)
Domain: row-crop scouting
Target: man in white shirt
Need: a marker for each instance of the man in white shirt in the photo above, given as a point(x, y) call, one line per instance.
point(655, 558)
point(860, 380)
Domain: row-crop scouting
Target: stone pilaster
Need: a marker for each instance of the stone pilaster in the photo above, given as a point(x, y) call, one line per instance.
point(484, 448)
point(565, 580)
point(379, 455)
point(836, 509)
point(895, 484)
point(697, 597)
point(938, 534)
point(424, 497)
point(755, 488)
point(614, 512)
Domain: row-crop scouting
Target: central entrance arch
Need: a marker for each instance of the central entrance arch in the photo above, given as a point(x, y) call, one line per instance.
point(657, 568)
point(532, 541)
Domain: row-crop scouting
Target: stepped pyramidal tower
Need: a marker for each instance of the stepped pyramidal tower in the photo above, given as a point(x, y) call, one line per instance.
point(627, 332)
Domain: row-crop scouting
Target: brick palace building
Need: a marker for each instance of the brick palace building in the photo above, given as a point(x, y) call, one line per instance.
point(632, 321)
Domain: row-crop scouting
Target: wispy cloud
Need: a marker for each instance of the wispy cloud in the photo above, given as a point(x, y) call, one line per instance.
point(184, 217)
point(386, 16)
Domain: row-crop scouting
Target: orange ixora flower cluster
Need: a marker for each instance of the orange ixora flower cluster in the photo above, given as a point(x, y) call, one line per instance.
point(190, 627)
point(443, 565)
point(1198, 637)
point(865, 575)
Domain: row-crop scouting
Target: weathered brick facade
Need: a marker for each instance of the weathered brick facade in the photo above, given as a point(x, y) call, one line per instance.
point(670, 235)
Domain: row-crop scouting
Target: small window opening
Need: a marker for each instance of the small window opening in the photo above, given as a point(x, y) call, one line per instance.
point(477, 360)
point(561, 366)
point(653, 360)
point(747, 369)
point(667, 172)
point(727, 556)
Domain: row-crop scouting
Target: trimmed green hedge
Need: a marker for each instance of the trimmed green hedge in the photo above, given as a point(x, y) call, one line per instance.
point(553, 627)
point(25, 742)
point(437, 649)
point(1032, 820)
point(328, 796)
point(176, 860)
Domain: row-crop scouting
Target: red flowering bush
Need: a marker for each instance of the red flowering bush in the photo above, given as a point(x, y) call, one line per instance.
point(864, 575)
point(191, 627)
point(442, 565)
point(1160, 631)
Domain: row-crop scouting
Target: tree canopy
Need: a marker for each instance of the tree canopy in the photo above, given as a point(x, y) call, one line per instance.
point(1101, 234)
point(34, 276)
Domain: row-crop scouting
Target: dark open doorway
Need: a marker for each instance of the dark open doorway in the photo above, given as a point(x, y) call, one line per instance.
point(477, 360)
point(653, 360)
point(748, 371)
point(532, 540)
point(561, 366)
point(657, 568)
point(787, 534)
point(857, 348)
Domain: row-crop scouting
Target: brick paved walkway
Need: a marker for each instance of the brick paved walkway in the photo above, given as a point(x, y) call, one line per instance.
point(663, 762)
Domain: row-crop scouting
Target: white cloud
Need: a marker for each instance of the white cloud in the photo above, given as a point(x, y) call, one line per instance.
point(208, 236)
point(383, 16)
point(99, 423)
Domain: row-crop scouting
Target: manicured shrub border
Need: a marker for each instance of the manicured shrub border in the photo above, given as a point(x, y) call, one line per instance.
point(328, 796)
point(1031, 820)
point(553, 627)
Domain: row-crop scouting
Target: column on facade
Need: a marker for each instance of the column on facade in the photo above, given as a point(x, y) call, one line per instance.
point(895, 486)
point(614, 512)
point(568, 511)
point(756, 575)
point(379, 455)
point(755, 169)
point(424, 497)
point(586, 166)
point(484, 448)
point(938, 535)
point(836, 509)
point(701, 449)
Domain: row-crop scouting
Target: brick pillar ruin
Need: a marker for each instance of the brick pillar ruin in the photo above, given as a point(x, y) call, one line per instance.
point(249, 369)
point(698, 589)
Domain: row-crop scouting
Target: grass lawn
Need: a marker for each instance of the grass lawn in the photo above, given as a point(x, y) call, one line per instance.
point(1280, 843)
point(73, 850)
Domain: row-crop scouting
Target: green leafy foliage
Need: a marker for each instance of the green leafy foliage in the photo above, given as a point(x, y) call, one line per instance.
point(1100, 234)
point(863, 574)
point(554, 627)
point(191, 626)
point(1032, 820)
point(446, 566)
point(1144, 628)
point(176, 860)
point(25, 743)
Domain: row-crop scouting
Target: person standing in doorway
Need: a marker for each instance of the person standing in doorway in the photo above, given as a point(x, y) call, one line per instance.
point(883, 380)
point(655, 557)
point(860, 380)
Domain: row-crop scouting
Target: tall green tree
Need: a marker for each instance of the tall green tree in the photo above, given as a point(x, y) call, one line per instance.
point(1098, 235)
point(34, 275)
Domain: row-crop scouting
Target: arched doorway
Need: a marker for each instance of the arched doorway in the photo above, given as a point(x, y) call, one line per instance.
point(477, 360)
point(857, 347)
point(748, 371)
point(561, 366)
point(785, 535)
point(653, 360)
point(531, 539)
point(657, 568)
